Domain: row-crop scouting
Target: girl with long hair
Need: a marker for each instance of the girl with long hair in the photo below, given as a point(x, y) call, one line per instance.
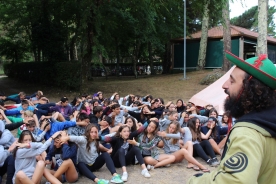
point(180, 106)
point(148, 141)
point(100, 97)
point(27, 170)
point(200, 144)
point(125, 149)
point(85, 108)
point(218, 131)
point(131, 123)
point(76, 103)
point(89, 157)
point(170, 139)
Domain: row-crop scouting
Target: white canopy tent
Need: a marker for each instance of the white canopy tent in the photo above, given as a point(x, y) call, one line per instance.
point(213, 94)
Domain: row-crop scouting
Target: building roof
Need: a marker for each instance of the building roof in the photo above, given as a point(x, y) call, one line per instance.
point(217, 32)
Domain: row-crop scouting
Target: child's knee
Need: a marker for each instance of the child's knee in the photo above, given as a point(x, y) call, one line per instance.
point(40, 163)
point(20, 175)
point(67, 162)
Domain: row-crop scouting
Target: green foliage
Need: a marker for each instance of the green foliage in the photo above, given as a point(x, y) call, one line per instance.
point(249, 20)
point(85, 30)
point(68, 74)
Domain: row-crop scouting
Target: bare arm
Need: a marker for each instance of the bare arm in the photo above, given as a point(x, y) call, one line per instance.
point(203, 136)
point(5, 117)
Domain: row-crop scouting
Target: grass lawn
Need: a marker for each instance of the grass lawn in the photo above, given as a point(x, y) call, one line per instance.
point(168, 87)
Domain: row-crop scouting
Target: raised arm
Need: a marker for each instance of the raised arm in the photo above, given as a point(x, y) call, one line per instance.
point(206, 136)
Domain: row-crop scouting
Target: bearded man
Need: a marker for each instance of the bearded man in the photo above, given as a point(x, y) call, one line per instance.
point(249, 154)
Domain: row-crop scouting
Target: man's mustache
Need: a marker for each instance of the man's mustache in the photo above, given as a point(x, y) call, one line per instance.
point(227, 92)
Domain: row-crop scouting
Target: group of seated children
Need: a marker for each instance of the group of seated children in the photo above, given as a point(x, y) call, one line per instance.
point(63, 140)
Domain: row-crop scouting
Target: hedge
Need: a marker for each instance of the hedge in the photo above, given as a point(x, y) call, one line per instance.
point(62, 74)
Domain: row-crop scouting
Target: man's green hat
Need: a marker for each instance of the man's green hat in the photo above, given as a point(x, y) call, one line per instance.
point(259, 67)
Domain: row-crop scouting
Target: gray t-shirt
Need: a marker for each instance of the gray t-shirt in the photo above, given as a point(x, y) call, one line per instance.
point(119, 118)
point(188, 136)
point(83, 155)
point(169, 147)
point(4, 154)
point(25, 157)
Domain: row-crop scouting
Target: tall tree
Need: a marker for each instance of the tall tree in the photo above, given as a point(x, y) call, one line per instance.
point(204, 36)
point(262, 27)
point(226, 35)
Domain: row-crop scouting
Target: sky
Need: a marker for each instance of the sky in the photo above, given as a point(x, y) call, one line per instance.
point(240, 6)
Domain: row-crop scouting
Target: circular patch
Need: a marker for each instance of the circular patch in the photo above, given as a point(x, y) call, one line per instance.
point(236, 163)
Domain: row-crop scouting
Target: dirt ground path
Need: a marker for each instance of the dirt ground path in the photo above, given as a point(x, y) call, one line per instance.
point(169, 87)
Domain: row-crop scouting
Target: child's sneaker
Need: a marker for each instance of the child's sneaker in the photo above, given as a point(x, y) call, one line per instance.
point(215, 162)
point(209, 162)
point(102, 181)
point(150, 167)
point(116, 179)
point(124, 176)
point(212, 162)
point(145, 173)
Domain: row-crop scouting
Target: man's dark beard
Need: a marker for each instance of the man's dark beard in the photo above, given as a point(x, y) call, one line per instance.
point(234, 106)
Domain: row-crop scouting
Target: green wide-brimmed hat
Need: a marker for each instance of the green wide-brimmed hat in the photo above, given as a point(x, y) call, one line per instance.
point(259, 67)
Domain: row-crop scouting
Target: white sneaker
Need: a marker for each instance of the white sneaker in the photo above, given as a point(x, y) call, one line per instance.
point(124, 176)
point(150, 167)
point(47, 182)
point(145, 173)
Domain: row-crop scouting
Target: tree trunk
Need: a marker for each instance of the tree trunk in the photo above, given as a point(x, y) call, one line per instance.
point(86, 60)
point(35, 52)
point(134, 62)
point(226, 36)
point(117, 56)
point(166, 64)
point(39, 53)
point(136, 55)
point(262, 27)
point(150, 58)
point(73, 50)
point(204, 37)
